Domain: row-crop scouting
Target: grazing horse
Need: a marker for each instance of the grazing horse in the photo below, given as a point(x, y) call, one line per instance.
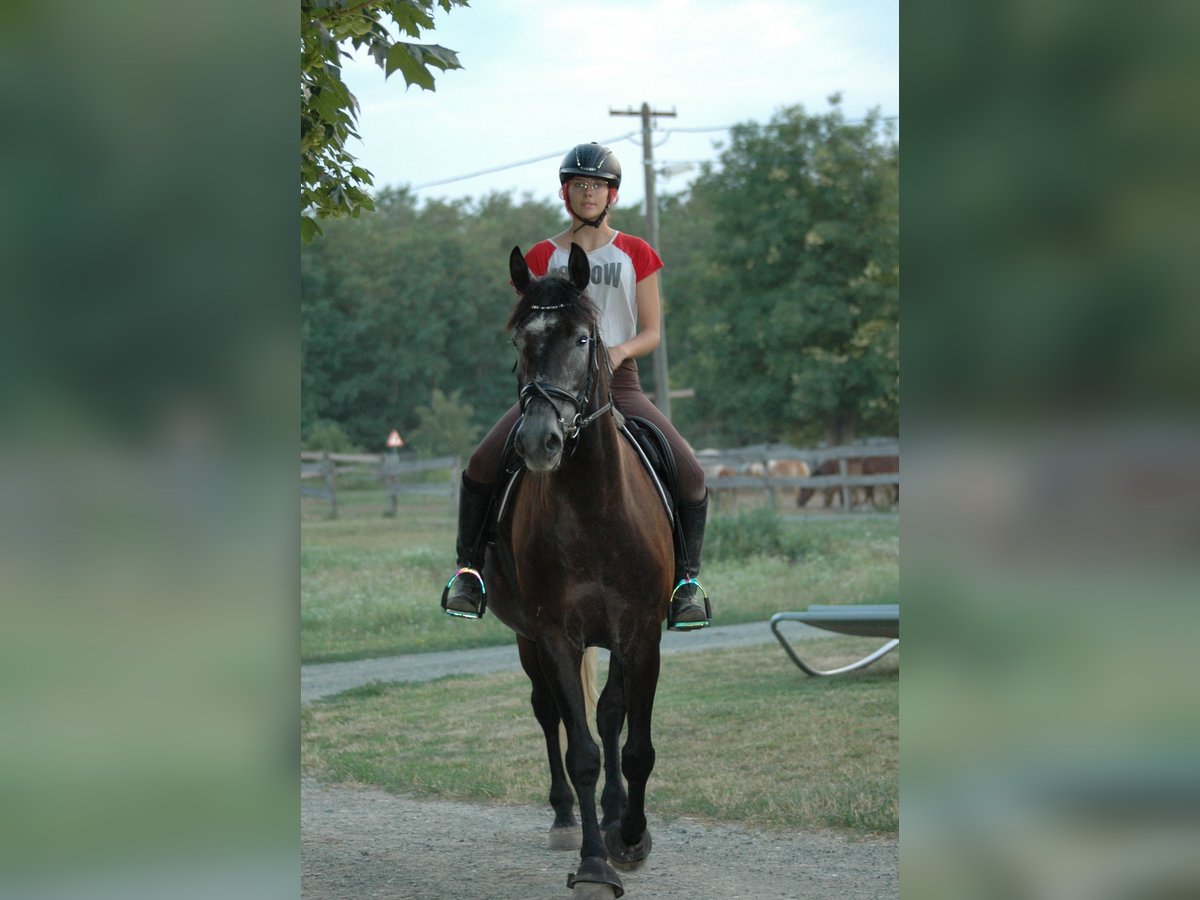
point(585, 558)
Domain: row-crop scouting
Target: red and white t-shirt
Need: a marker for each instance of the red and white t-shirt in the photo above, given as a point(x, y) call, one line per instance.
point(617, 267)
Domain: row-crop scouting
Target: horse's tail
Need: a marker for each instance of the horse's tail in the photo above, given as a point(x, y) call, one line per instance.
point(589, 675)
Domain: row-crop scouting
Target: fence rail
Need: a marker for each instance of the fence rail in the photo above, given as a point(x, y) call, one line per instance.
point(388, 469)
point(738, 477)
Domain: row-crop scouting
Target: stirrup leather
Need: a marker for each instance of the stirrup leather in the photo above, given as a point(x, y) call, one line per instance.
point(672, 625)
point(465, 570)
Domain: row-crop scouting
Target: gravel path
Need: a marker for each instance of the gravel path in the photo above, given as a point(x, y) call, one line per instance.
point(363, 843)
point(332, 678)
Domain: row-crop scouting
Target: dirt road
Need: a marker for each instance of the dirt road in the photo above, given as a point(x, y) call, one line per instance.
point(365, 844)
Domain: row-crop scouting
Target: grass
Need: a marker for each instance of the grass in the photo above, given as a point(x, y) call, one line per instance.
point(370, 585)
point(741, 734)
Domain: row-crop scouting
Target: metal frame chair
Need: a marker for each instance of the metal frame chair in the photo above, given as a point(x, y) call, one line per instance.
point(861, 620)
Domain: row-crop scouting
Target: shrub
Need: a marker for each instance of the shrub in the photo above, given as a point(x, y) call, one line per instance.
point(445, 427)
point(327, 436)
point(758, 532)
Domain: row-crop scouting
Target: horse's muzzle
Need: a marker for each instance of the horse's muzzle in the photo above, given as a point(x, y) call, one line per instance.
point(540, 445)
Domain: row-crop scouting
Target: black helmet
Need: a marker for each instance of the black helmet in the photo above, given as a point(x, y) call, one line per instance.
point(590, 160)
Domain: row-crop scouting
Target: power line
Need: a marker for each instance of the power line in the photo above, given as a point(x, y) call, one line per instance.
point(667, 132)
point(515, 165)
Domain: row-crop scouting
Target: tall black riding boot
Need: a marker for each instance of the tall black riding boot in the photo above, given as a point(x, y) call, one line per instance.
point(690, 608)
point(465, 594)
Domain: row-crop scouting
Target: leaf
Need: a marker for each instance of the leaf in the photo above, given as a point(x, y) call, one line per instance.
point(441, 57)
point(406, 58)
point(309, 229)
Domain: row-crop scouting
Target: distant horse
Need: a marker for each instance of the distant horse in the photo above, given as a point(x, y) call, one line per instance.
point(869, 465)
point(828, 467)
point(585, 559)
point(787, 468)
point(882, 465)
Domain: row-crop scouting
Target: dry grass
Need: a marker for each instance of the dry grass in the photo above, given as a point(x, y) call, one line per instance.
point(742, 736)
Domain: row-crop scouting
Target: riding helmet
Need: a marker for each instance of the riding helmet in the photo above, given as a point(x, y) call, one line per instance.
point(593, 160)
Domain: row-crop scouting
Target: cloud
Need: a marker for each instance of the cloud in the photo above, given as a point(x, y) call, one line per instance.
point(540, 77)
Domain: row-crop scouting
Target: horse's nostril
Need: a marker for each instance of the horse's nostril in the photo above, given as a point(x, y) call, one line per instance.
point(553, 442)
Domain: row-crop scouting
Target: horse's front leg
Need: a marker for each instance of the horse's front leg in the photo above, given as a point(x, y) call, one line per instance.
point(561, 663)
point(610, 718)
point(628, 841)
point(565, 833)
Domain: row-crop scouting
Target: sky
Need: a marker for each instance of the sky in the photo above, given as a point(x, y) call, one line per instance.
point(540, 76)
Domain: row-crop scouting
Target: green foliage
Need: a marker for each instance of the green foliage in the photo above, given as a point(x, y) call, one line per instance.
point(331, 185)
point(445, 427)
point(407, 301)
point(759, 532)
point(329, 437)
point(786, 290)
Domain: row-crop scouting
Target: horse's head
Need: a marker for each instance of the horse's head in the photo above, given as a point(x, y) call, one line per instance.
point(558, 357)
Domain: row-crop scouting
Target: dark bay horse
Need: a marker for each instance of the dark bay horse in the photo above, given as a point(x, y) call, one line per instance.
point(583, 559)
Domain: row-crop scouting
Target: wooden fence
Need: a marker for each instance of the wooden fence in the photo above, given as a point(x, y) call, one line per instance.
point(754, 476)
point(744, 477)
point(387, 469)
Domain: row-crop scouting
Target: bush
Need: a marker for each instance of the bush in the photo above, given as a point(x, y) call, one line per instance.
point(759, 532)
point(328, 437)
point(445, 427)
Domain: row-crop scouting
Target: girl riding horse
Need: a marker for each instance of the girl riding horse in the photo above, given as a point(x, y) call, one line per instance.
point(623, 274)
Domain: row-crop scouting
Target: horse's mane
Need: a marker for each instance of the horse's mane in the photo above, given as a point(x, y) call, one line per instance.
point(557, 294)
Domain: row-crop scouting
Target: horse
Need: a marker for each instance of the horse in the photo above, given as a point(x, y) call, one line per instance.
point(882, 465)
point(830, 494)
point(869, 465)
point(787, 468)
point(585, 559)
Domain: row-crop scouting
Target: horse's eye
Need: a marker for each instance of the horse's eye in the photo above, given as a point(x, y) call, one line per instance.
point(583, 340)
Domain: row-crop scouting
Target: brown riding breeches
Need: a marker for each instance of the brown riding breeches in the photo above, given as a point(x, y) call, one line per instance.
point(484, 466)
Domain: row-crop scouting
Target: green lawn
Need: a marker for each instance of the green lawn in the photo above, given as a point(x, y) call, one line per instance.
point(371, 585)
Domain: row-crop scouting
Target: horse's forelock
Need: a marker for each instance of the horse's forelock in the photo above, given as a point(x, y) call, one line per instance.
point(555, 294)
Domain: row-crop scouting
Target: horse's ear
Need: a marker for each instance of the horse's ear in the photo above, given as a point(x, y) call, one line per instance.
point(578, 267)
point(518, 270)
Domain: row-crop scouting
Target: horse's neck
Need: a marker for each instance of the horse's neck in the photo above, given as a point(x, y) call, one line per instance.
point(600, 442)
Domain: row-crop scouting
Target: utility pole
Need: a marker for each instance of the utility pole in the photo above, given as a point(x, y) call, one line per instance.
point(662, 391)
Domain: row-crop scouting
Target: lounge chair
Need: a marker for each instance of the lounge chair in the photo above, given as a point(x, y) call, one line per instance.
point(863, 620)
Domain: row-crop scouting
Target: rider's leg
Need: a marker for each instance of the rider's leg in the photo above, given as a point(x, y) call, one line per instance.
point(689, 602)
point(465, 593)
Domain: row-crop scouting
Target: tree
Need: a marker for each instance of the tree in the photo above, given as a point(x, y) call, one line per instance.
point(407, 301)
point(791, 320)
point(330, 183)
point(445, 427)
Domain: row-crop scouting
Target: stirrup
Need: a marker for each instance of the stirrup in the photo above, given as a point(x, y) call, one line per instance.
point(672, 625)
point(465, 570)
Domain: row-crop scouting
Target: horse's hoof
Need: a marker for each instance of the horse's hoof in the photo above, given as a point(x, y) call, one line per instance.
point(565, 837)
point(589, 891)
point(595, 880)
point(626, 856)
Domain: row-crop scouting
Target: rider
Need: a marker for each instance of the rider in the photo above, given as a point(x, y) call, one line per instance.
point(625, 290)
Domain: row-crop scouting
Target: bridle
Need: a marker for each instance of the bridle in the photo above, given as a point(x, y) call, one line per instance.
point(549, 392)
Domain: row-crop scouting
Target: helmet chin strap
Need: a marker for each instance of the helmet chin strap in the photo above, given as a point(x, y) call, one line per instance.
point(595, 223)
